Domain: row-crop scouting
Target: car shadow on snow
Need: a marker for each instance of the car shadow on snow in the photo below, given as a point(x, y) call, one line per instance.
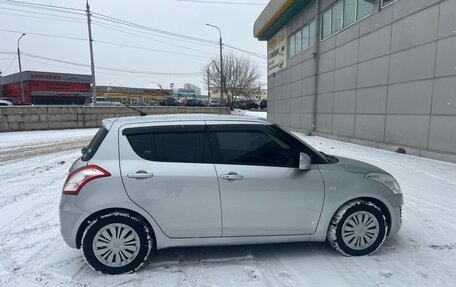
point(236, 253)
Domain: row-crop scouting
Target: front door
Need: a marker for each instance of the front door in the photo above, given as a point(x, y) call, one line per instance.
point(262, 190)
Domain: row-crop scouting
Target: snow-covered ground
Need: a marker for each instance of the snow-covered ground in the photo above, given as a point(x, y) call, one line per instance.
point(32, 253)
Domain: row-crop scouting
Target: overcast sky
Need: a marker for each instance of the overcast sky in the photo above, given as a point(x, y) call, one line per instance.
point(188, 18)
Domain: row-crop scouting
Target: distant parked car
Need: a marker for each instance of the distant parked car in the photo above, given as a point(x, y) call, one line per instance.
point(106, 102)
point(214, 103)
point(5, 103)
point(169, 102)
point(264, 104)
point(154, 182)
point(194, 103)
point(246, 105)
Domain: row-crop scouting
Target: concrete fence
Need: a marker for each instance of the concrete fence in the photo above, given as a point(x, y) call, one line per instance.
point(68, 117)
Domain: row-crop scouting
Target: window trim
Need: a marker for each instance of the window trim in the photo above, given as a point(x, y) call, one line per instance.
point(307, 25)
point(343, 18)
point(383, 5)
point(207, 153)
point(289, 139)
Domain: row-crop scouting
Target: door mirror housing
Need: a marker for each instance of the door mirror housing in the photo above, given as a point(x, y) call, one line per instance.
point(305, 162)
point(84, 150)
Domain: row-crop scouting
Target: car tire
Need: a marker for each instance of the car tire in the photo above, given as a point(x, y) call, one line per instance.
point(116, 243)
point(358, 228)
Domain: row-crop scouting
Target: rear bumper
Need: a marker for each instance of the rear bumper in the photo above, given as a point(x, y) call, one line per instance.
point(70, 219)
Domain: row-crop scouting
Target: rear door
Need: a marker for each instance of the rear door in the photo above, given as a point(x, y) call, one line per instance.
point(167, 170)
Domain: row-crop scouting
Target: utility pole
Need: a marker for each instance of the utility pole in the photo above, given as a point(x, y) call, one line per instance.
point(222, 80)
point(20, 69)
point(208, 85)
point(209, 81)
point(92, 65)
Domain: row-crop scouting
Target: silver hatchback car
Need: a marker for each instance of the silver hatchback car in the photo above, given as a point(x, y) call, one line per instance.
point(154, 182)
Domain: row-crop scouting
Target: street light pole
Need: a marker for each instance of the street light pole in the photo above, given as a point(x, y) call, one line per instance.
point(20, 69)
point(221, 65)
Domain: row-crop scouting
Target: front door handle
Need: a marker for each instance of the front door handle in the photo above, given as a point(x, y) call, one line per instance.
point(140, 174)
point(231, 176)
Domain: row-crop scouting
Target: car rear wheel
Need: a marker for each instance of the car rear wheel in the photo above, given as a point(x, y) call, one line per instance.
point(116, 243)
point(358, 228)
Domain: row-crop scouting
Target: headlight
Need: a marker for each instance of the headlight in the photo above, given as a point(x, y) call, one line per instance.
point(385, 179)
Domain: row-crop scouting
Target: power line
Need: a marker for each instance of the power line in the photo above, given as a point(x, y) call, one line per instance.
point(120, 21)
point(148, 49)
point(44, 6)
point(247, 52)
point(126, 31)
point(107, 43)
point(44, 35)
point(7, 68)
point(41, 13)
point(224, 2)
point(37, 17)
point(109, 68)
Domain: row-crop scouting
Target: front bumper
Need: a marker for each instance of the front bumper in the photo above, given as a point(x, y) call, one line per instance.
point(396, 214)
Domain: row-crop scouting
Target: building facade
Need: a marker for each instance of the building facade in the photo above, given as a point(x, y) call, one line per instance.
point(45, 88)
point(134, 96)
point(194, 88)
point(380, 73)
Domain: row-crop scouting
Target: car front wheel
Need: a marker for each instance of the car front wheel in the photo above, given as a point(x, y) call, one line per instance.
point(116, 243)
point(358, 228)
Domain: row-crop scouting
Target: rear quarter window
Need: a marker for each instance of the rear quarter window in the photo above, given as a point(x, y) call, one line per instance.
point(94, 144)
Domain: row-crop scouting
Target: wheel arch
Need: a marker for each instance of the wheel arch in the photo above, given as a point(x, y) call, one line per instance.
point(86, 222)
point(380, 204)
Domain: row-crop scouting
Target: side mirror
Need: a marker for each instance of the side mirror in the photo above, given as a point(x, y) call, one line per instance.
point(305, 162)
point(84, 150)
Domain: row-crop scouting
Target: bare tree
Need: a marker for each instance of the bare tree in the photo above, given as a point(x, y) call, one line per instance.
point(240, 77)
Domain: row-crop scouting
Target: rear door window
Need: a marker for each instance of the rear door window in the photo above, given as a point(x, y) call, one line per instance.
point(176, 144)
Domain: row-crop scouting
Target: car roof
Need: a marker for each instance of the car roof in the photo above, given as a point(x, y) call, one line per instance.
point(107, 123)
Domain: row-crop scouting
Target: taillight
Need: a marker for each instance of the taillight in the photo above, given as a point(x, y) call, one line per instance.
point(79, 177)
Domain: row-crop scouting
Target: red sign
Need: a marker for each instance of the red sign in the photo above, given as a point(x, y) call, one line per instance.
point(44, 76)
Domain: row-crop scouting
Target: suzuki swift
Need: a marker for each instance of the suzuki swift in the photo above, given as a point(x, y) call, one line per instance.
point(151, 182)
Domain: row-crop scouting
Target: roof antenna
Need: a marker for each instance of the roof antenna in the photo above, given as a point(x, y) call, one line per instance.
point(141, 113)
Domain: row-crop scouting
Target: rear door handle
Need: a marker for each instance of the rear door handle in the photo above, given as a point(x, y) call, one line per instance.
point(231, 176)
point(140, 174)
